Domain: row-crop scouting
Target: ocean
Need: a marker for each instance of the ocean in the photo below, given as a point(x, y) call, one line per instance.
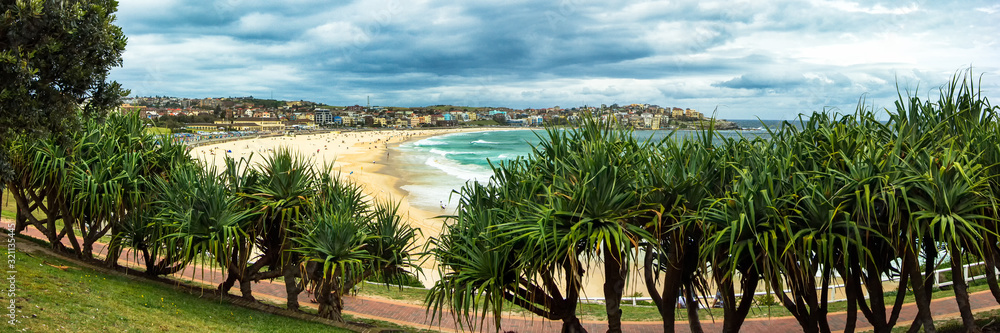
point(433, 167)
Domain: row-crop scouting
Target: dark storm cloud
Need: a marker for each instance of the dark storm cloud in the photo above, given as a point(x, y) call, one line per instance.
point(747, 57)
point(763, 81)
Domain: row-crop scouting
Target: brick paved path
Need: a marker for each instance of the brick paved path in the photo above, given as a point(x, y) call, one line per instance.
point(416, 315)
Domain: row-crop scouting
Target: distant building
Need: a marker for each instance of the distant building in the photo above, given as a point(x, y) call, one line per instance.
point(536, 121)
point(252, 124)
point(323, 117)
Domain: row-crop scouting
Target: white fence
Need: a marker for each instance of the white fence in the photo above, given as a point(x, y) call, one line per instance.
point(703, 300)
point(709, 299)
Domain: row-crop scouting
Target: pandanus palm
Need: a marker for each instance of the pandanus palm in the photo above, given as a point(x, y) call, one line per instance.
point(394, 245)
point(483, 266)
point(820, 229)
point(140, 229)
point(869, 176)
point(206, 222)
point(590, 179)
point(932, 141)
point(987, 145)
point(947, 192)
point(343, 240)
point(739, 229)
point(145, 158)
point(41, 166)
point(332, 244)
point(281, 189)
point(678, 176)
point(96, 187)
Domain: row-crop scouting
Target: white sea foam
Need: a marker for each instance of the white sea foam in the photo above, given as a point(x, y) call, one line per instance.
point(429, 142)
point(484, 142)
point(430, 197)
point(446, 153)
point(461, 171)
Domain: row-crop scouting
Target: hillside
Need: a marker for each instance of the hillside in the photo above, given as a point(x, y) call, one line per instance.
point(57, 295)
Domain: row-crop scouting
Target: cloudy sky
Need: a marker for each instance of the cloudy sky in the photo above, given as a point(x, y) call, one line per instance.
point(768, 59)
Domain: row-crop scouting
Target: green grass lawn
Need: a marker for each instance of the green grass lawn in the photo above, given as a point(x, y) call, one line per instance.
point(71, 298)
point(646, 312)
point(157, 130)
point(483, 122)
point(7, 206)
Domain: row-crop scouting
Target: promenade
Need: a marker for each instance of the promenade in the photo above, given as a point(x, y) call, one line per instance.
point(416, 315)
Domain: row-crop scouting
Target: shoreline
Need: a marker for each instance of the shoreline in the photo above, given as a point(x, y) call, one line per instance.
point(360, 157)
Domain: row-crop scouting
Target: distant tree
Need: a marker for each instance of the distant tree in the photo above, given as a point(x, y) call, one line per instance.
point(171, 124)
point(54, 61)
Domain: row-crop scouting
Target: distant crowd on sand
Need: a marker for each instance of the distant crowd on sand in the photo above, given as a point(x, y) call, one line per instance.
point(190, 138)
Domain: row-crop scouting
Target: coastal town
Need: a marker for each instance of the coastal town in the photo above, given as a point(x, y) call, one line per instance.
point(269, 115)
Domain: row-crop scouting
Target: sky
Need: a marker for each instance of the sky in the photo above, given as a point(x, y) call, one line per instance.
point(738, 59)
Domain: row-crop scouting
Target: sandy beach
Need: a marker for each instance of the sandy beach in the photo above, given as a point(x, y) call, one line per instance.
point(363, 157)
point(367, 159)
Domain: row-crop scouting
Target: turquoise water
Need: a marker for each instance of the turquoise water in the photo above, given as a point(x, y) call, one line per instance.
point(432, 168)
point(435, 166)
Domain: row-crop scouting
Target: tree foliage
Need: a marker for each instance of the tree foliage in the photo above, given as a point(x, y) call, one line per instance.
point(54, 61)
point(830, 198)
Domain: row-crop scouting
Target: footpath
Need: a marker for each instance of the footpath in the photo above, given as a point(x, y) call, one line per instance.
point(417, 316)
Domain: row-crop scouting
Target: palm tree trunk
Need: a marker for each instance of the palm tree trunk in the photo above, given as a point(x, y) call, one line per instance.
point(21, 207)
point(666, 300)
point(991, 276)
point(246, 289)
point(921, 298)
point(852, 289)
point(68, 222)
point(614, 285)
point(292, 288)
point(234, 272)
point(692, 309)
point(115, 248)
point(734, 314)
point(572, 325)
point(227, 285)
point(20, 222)
point(671, 290)
point(961, 290)
point(152, 269)
point(330, 304)
point(990, 255)
point(797, 306)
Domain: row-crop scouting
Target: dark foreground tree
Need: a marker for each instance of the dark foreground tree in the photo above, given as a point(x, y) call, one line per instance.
point(54, 60)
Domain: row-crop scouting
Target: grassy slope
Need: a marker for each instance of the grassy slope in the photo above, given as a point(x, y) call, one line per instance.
point(586, 311)
point(71, 298)
point(7, 206)
point(988, 321)
point(158, 130)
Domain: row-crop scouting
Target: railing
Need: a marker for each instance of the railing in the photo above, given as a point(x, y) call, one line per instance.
point(703, 300)
point(965, 274)
point(706, 299)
